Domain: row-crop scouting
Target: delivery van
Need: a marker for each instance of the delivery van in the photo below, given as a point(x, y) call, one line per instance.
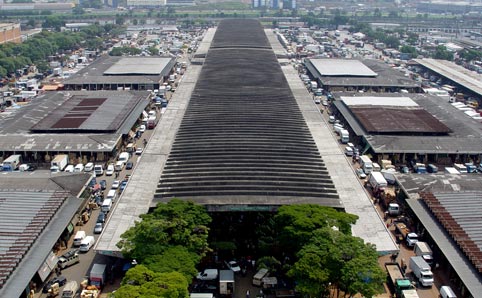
point(79, 236)
point(111, 195)
point(87, 243)
point(79, 168)
point(119, 166)
point(106, 205)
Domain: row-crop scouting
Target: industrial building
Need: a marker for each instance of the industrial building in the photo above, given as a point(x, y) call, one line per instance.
point(122, 73)
point(254, 147)
point(39, 211)
point(445, 210)
point(406, 127)
point(358, 75)
point(466, 81)
point(86, 125)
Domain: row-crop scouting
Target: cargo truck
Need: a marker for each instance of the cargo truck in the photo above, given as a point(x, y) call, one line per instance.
point(403, 233)
point(12, 162)
point(398, 283)
point(377, 181)
point(226, 282)
point(98, 275)
point(59, 163)
point(422, 271)
point(423, 250)
point(366, 164)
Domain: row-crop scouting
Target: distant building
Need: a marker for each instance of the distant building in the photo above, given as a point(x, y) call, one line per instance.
point(146, 3)
point(289, 4)
point(10, 32)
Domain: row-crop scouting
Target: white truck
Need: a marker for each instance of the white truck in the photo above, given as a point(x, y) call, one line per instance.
point(377, 182)
point(422, 271)
point(12, 162)
point(423, 250)
point(366, 164)
point(59, 163)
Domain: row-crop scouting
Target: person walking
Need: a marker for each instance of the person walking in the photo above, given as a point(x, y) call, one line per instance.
point(247, 294)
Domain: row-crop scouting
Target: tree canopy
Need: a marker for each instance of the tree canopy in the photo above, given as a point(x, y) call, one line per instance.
point(177, 223)
point(142, 282)
point(334, 258)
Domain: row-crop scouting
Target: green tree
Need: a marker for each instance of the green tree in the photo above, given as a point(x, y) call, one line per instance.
point(333, 257)
point(142, 282)
point(178, 222)
point(377, 13)
point(470, 55)
point(296, 223)
point(54, 22)
point(175, 258)
point(408, 49)
point(441, 52)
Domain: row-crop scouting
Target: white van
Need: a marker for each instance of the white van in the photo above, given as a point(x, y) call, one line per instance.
point(258, 277)
point(106, 205)
point(111, 195)
point(69, 169)
point(89, 167)
point(70, 290)
point(79, 236)
point(79, 168)
point(447, 292)
point(124, 156)
point(348, 151)
point(98, 170)
point(201, 295)
point(119, 165)
point(87, 243)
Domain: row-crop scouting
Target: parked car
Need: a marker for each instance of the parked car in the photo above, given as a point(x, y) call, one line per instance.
point(142, 128)
point(115, 184)
point(129, 165)
point(110, 170)
point(122, 186)
point(98, 227)
point(233, 266)
point(61, 280)
point(103, 184)
point(317, 100)
point(101, 218)
point(361, 174)
point(139, 151)
point(31, 167)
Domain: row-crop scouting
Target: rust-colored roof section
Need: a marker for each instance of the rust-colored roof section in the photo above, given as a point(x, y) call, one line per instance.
point(398, 120)
point(453, 219)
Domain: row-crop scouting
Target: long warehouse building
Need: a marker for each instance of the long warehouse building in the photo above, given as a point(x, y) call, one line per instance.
point(235, 138)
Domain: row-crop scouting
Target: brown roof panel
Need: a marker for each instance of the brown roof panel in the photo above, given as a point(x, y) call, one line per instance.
point(398, 120)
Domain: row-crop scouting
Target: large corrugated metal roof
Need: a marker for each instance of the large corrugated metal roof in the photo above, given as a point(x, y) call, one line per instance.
point(243, 134)
point(342, 67)
point(460, 214)
point(138, 66)
point(468, 274)
point(99, 132)
point(469, 79)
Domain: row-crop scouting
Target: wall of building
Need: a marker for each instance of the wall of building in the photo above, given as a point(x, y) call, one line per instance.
point(10, 33)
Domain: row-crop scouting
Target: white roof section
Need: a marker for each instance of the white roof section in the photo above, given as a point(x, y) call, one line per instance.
point(342, 67)
point(378, 101)
point(138, 66)
point(469, 79)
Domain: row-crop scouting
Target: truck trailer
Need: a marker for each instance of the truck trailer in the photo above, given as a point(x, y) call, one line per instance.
point(59, 163)
point(397, 281)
